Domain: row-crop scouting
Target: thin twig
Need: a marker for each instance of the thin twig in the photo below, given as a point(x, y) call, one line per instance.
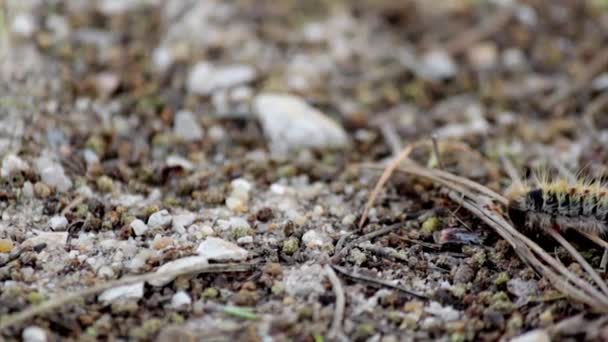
point(377, 282)
point(63, 299)
point(383, 179)
point(436, 152)
point(336, 326)
point(342, 252)
point(579, 258)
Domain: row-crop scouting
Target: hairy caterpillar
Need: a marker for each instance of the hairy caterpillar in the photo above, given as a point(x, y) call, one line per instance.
point(560, 204)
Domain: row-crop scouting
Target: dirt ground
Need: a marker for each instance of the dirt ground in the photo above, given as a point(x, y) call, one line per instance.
point(240, 140)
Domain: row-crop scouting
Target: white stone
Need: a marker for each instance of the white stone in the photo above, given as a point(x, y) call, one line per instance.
point(162, 58)
point(436, 65)
point(315, 239)
point(132, 291)
point(161, 218)
point(24, 25)
point(238, 223)
point(278, 189)
point(220, 250)
point(52, 174)
point(90, 157)
point(182, 221)
point(207, 230)
point(446, 313)
point(290, 123)
point(513, 59)
point(34, 334)
point(105, 272)
point(537, 335)
point(139, 227)
point(174, 266)
point(180, 299)
point(28, 189)
point(205, 78)
point(106, 83)
point(58, 223)
point(240, 189)
point(179, 161)
point(139, 260)
point(12, 164)
point(50, 238)
point(245, 240)
point(349, 219)
point(186, 127)
point(236, 204)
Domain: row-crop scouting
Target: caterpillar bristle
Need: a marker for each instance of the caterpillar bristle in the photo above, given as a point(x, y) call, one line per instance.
point(561, 204)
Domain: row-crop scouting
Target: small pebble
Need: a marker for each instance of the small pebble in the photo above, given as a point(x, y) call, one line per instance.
point(315, 239)
point(186, 126)
point(205, 78)
point(436, 65)
point(162, 243)
point(12, 164)
point(50, 238)
point(245, 240)
point(139, 227)
point(181, 221)
point(220, 250)
point(42, 190)
point(28, 189)
point(180, 300)
point(134, 291)
point(105, 272)
point(161, 218)
point(24, 24)
point(6, 245)
point(52, 174)
point(34, 334)
point(58, 223)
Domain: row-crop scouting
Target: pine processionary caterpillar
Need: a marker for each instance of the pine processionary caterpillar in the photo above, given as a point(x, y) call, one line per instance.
point(561, 204)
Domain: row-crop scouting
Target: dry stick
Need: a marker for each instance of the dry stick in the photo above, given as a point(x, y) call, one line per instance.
point(61, 300)
point(383, 179)
point(377, 282)
point(579, 258)
point(403, 156)
point(592, 296)
point(364, 238)
point(516, 239)
point(507, 231)
point(594, 67)
point(511, 234)
point(336, 325)
point(436, 151)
